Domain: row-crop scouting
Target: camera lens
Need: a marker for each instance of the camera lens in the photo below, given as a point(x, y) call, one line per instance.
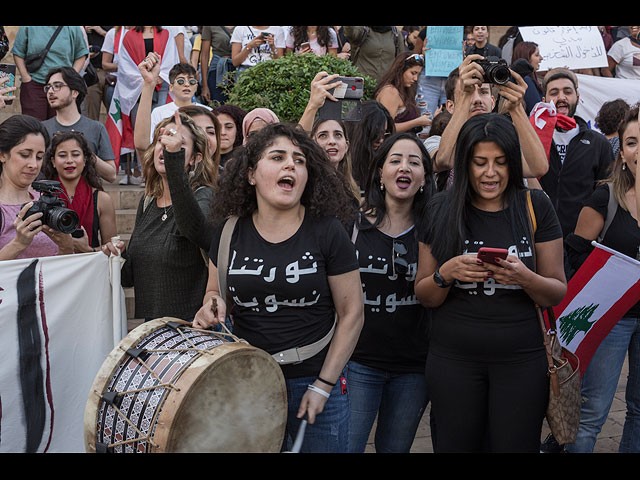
point(63, 219)
point(501, 75)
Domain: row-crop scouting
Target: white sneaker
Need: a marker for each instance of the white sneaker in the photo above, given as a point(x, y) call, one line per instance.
point(124, 180)
point(136, 180)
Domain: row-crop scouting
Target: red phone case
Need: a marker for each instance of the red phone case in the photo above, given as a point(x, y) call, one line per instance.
point(489, 255)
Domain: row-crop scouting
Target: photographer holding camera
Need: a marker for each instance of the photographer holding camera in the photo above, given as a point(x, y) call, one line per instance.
point(23, 141)
point(471, 94)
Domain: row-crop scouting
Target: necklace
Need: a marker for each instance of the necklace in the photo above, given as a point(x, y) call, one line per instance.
point(164, 215)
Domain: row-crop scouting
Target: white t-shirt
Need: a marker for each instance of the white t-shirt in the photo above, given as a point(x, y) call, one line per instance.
point(109, 45)
point(627, 57)
point(562, 139)
point(175, 31)
point(164, 111)
point(244, 35)
point(315, 46)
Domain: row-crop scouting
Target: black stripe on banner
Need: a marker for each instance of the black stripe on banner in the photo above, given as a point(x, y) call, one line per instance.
point(30, 353)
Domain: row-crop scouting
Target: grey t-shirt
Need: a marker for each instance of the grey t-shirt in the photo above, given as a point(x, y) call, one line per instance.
point(94, 131)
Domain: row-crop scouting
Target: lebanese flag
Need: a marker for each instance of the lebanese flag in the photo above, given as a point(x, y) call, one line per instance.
point(129, 86)
point(544, 118)
point(600, 293)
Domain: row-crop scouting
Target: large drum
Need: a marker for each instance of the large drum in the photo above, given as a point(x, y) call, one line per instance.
point(170, 388)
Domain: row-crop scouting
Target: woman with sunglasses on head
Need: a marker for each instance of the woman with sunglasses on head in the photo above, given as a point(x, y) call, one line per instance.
point(70, 161)
point(487, 366)
point(386, 371)
point(397, 92)
point(292, 274)
point(23, 142)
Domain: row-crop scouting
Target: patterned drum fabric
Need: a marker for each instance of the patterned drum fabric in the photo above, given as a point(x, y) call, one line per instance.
point(170, 388)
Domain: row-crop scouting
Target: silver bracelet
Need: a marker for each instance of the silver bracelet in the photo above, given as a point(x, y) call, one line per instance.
point(313, 388)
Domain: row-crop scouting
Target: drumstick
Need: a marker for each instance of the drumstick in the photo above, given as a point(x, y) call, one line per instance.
point(214, 306)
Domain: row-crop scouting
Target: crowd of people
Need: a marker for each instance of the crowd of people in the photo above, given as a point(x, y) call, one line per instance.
point(353, 244)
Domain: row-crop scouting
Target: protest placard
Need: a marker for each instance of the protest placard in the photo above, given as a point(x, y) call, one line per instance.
point(567, 46)
point(444, 50)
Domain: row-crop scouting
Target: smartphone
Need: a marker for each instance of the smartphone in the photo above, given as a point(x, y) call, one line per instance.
point(8, 70)
point(348, 108)
point(304, 45)
point(489, 255)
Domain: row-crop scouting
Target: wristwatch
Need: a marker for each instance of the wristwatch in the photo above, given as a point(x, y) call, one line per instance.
point(439, 279)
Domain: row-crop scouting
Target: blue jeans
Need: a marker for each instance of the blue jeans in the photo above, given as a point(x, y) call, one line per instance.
point(599, 385)
point(431, 92)
point(398, 400)
point(330, 431)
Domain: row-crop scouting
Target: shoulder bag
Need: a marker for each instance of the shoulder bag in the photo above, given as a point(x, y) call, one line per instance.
point(563, 410)
point(34, 61)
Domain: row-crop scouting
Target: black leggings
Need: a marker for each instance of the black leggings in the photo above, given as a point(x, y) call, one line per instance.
point(494, 407)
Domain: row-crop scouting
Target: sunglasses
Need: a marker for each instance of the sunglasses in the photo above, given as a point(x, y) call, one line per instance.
point(400, 265)
point(416, 57)
point(182, 81)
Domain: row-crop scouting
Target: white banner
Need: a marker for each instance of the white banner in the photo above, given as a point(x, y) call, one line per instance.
point(56, 315)
point(567, 46)
point(595, 91)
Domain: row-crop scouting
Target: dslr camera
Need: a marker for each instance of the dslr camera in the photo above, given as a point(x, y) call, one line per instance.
point(496, 70)
point(55, 214)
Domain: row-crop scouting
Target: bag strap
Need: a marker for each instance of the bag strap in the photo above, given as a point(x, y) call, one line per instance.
point(223, 253)
point(612, 206)
point(533, 227)
point(51, 40)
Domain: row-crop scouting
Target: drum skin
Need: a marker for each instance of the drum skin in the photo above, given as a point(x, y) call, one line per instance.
point(227, 396)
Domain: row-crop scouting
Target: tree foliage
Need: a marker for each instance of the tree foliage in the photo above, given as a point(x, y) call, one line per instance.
point(284, 84)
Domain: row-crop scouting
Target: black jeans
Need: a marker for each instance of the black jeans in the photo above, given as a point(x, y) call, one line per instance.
point(483, 406)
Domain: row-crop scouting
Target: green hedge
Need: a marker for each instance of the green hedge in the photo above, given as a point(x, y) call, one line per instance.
point(283, 85)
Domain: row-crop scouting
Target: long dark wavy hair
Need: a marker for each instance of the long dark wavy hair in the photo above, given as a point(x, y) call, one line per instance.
point(394, 77)
point(90, 172)
point(300, 36)
point(326, 191)
point(374, 203)
point(376, 122)
point(449, 210)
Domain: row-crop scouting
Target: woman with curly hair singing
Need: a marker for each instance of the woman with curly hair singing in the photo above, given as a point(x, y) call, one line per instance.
point(292, 274)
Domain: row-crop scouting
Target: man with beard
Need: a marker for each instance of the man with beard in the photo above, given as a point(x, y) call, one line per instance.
point(578, 157)
point(65, 90)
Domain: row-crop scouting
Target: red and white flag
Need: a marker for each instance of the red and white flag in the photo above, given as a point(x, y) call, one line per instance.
point(57, 321)
point(129, 85)
point(605, 287)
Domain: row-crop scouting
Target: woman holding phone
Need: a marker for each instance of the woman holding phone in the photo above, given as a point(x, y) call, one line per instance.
point(487, 366)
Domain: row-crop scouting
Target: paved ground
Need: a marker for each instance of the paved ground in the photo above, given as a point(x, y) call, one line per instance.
point(608, 439)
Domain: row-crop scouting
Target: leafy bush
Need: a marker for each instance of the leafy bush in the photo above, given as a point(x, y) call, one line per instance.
point(284, 84)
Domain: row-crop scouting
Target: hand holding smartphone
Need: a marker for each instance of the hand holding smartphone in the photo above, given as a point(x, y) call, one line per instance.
point(489, 255)
point(7, 71)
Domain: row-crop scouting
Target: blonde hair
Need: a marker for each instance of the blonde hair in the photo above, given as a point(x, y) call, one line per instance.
point(621, 179)
point(205, 172)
